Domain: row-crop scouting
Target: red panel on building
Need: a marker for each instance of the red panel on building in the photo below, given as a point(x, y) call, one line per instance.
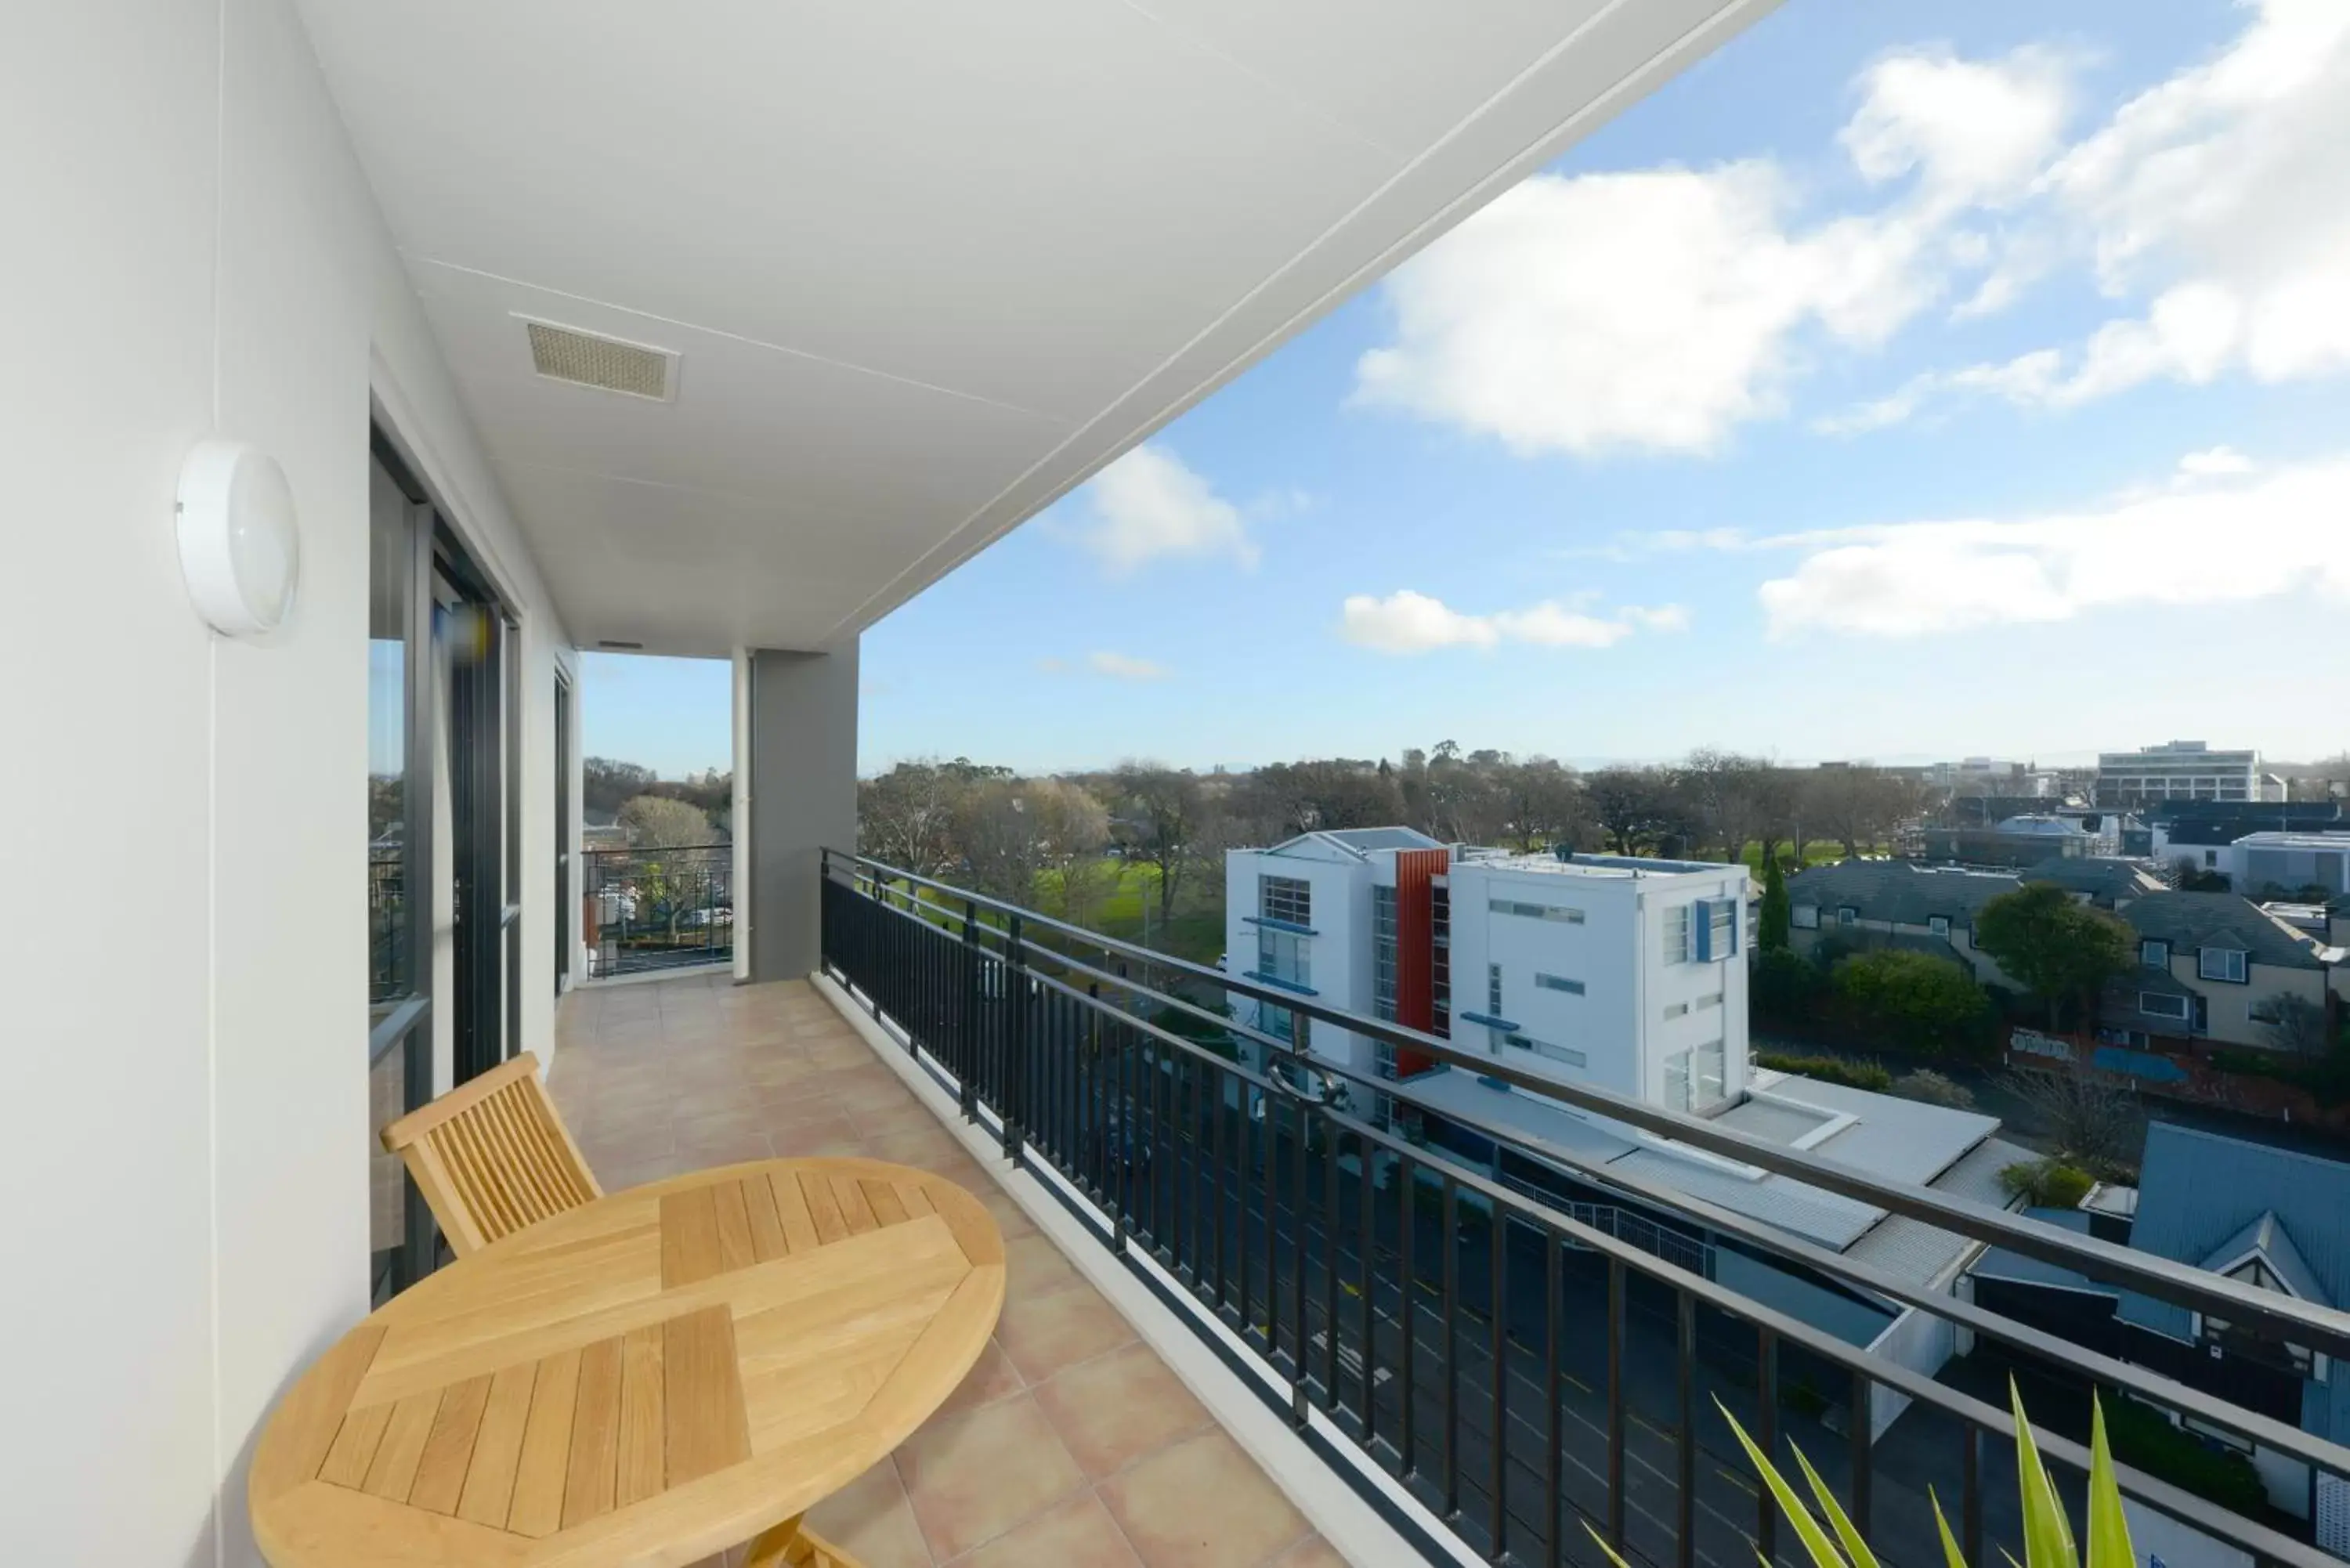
point(1416, 871)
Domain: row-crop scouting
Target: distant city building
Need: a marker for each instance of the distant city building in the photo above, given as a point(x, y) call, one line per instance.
point(2188, 769)
point(2274, 864)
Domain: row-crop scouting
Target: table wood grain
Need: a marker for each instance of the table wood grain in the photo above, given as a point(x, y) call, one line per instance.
point(649, 1379)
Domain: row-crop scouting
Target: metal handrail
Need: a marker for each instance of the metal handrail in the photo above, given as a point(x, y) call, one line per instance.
point(2263, 1430)
point(1775, 1326)
point(2322, 1328)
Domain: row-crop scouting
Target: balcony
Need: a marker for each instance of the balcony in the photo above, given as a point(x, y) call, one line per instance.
point(1267, 1209)
point(1071, 1442)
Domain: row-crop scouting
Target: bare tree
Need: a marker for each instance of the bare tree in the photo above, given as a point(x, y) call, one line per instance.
point(1860, 807)
point(1633, 807)
point(1726, 791)
point(1167, 812)
point(2094, 1117)
point(657, 821)
point(2297, 1024)
point(1542, 803)
point(906, 817)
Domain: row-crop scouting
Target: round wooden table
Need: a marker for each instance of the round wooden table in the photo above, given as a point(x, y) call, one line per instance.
point(650, 1379)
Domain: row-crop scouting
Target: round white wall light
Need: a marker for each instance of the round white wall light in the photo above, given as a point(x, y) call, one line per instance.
point(240, 544)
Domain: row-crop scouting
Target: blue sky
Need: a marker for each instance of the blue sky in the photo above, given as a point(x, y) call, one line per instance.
point(1904, 381)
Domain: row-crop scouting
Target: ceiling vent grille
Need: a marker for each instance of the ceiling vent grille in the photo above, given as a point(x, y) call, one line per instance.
point(568, 354)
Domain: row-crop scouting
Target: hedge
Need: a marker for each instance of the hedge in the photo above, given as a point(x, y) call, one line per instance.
point(2145, 1438)
point(1829, 1069)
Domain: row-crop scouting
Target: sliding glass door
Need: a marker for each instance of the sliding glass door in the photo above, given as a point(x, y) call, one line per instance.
point(443, 907)
point(400, 867)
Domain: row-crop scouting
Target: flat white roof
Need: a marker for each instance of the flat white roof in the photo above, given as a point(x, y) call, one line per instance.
point(1609, 868)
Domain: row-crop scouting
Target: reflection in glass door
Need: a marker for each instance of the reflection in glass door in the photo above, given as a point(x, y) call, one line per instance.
point(398, 881)
point(469, 636)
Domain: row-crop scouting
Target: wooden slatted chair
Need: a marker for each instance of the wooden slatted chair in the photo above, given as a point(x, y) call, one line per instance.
point(491, 1156)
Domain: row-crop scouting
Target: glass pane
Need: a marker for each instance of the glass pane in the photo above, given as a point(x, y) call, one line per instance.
point(390, 966)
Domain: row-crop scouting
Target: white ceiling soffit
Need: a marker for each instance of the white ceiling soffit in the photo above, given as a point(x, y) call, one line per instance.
point(923, 264)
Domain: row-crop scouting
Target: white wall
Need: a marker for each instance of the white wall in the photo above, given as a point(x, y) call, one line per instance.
point(186, 1170)
point(1339, 955)
point(1617, 952)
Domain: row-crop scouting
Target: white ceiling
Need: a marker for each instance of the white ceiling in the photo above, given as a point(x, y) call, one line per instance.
point(928, 264)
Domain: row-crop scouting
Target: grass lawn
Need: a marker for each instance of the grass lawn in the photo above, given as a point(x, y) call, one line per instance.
point(1819, 852)
point(1196, 930)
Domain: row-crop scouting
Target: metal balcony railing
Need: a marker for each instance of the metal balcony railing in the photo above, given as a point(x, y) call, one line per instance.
point(1526, 1376)
point(658, 908)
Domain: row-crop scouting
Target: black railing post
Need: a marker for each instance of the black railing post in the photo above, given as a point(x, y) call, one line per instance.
point(1615, 1402)
point(1685, 1451)
point(966, 1066)
point(1015, 1040)
point(1861, 1459)
point(1766, 1438)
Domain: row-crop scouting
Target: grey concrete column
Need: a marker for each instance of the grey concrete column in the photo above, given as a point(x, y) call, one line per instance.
point(803, 796)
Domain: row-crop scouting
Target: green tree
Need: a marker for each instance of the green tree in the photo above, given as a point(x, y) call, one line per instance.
point(2059, 950)
point(1922, 1000)
point(1774, 918)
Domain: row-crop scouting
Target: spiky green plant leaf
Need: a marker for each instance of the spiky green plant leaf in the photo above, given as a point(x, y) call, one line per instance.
point(1951, 1555)
point(1823, 1553)
point(2108, 1527)
point(2047, 1538)
point(1854, 1546)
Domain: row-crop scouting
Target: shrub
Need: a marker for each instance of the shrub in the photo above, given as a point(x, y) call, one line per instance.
point(1937, 1089)
point(1829, 1070)
point(2143, 1438)
point(2046, 1183)
point(1915, 998)
point(1785, 985)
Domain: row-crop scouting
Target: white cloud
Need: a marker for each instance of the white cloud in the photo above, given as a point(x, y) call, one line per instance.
point(1147, 506)
point(1120, 667)
point(1660, 309)
point(2214, 544)
point(2210, 208)
point(1410, 622)
point(2216, 460)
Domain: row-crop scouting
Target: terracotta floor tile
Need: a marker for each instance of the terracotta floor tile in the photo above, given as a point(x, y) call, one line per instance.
point(1203, 1504)
point(1044, 1333)
point(1036, 1267)
point(871, 1519)
point(1079, 1533)
point(687, 1073)
point(829, 1134)
point(904, 1114)
point(992, 1377)
point(1113, 1409)
point(973, 1476)
point(1311, 1553)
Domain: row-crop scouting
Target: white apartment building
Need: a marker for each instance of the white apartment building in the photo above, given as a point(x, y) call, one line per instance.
point(2189, 769)
point(1619, 974)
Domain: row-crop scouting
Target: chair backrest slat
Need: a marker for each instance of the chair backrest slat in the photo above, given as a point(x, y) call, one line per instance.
point(493, 1157)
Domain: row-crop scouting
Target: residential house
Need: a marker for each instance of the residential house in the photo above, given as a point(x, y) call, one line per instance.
point(2271, 1217)
point(2212, 967)
point(1867, 904)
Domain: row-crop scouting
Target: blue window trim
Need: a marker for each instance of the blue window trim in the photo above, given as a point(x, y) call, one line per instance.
point(1278, 984)
point(1499, 1085)
point(1273, 925)
point(1487, 1021)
